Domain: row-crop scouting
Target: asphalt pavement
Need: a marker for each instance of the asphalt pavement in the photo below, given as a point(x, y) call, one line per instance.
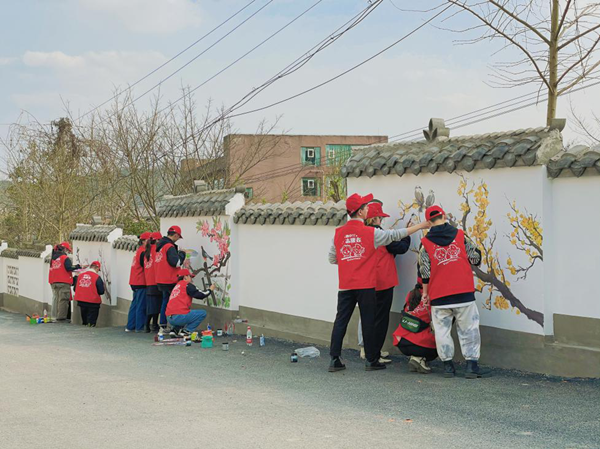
point(68, 386)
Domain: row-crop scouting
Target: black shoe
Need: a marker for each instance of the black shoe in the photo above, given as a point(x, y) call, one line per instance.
point(336, 365)
point(155, 328)
point(449, 370)
point(147, 330)
point(473, 371)
point(374, 366)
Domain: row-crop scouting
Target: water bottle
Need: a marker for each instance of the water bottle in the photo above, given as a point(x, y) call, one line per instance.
point(262, 340)
point(161, 336)
point(249, 336)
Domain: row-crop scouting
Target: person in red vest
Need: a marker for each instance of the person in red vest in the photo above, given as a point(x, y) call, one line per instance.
point(153, 295)
point(136, 319)
point(354, 251)
point(168, 261)
point(387, 279)
point(61, 278)
point(445, 261)
point(414, 337)
point(88, 291)
point(179, 313)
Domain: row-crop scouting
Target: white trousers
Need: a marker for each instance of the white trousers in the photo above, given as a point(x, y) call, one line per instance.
point(467, 327)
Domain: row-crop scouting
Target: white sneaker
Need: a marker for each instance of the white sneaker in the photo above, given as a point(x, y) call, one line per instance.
point(362, 353)
point(385, 354)
point(129, 330)
point(418, 365)
point(384, 360)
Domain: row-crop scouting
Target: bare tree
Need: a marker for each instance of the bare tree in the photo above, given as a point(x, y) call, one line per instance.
point(557, 42)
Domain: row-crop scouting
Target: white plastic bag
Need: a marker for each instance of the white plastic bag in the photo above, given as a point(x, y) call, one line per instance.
point(311, 352)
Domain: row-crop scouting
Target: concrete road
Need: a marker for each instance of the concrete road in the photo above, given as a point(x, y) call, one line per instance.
point(66, 386)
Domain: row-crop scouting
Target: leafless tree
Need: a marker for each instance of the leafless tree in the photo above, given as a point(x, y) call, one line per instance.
point(556, 42)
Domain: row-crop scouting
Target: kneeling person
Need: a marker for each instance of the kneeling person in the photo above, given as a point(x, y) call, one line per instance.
point(414, 337)
point(88, 291)
point(179, 313)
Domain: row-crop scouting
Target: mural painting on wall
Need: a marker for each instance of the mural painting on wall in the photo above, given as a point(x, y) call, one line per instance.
point(496, 273)
point(214, 266)
point(104, 271)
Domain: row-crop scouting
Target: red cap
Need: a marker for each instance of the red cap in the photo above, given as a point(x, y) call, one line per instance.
point(176, 229)
point(156, 236)
point(185, 272)
point(95, 263)
point(375, 210)
point(66, 246)
point(355, 202)
point(433, 211)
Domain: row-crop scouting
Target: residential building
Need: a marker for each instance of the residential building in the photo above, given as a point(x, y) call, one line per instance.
point(279, 168)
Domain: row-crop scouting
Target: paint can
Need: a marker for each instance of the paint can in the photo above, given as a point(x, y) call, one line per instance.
point(219, 332)
point(294, 357)
point(225, 346)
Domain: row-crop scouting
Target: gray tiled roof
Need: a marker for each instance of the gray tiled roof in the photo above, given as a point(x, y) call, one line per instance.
point(524, 147)
point(577, 161)
point(9, 253)
point(126, 243)
point(209, 203)
point(306, 213)
point(89, 233)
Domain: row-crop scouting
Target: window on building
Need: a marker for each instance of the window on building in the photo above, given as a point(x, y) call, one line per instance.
point(311, 187)
point(338, 154)
point(249, 193)
point(310, 155)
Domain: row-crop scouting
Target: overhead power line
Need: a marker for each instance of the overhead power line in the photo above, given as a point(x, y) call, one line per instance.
point(174, 57)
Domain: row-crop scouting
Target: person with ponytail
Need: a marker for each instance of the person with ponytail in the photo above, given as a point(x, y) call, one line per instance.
point(136, 319)
point(414, 337)
point(153, 295)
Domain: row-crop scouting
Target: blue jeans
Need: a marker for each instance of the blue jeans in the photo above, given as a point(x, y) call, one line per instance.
point(136, 320)
point(190, 321)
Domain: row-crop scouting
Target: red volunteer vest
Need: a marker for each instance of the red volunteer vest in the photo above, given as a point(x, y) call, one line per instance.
point(58, 273)
point(356, 255)
point(450, 268)
point(136, 276)
point(164, 273)
point(425, 338)
point(179, 301)
point(85, 289)
point(387, 275)
point(149, 273)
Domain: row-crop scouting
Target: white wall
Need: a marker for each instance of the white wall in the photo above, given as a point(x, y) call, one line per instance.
point(285, 269)
point(576, 246)
point(121, 267)
point(523, 185)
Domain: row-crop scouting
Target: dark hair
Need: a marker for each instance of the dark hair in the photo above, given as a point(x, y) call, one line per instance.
point(171, 233)
point(437, 217)
point(180, 278)
point(414, 298)
point(148, 250)
point(355, 213)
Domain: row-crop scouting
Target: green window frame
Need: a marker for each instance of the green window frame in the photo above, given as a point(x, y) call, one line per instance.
point(337, 154)
point(310, 187)
point(310, 156)
point(249, 193)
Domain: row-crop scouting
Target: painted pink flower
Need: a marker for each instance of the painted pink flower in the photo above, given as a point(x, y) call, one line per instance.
point(205, 229)
point(218, 227)
point(216, 260)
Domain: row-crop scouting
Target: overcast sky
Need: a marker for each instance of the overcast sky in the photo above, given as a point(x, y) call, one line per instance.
point(77, 51)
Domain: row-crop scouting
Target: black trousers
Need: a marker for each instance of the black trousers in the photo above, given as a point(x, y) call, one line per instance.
point(382, 315)
point(410, 349)
point(367, 304)
point(89, 312)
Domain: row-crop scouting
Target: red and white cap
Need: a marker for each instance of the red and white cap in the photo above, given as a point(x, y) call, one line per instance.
point(145, 235)
point(95, 263)
point(185, 272)
point(375, 210)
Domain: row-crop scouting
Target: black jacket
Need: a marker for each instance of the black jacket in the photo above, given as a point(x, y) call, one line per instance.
point(174, 256)
point(195, 293)
point(68, 264)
